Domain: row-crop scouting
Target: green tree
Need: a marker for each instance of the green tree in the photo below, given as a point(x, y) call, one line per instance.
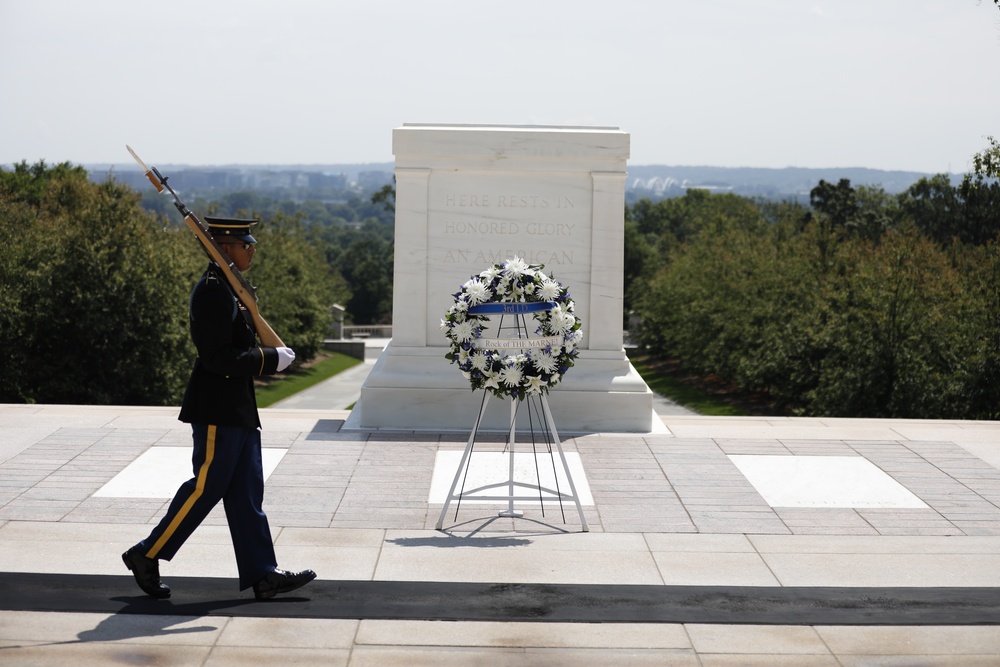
point(967, 214)
point(639, 259)
point(877, 212)
point(386, 197)
point(838, 202)
point(933, 205)
point(367, 266)
point(895, 317)
point(94, 293)
point(654, 230)
point(297, 286)
point(987, 161)
point(841, 212)
point(980, 341)
point(830, 322)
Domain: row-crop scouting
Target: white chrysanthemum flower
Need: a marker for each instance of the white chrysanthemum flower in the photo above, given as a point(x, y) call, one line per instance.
point(490, 274)
point(515, 266)
point(503, 288)
point(545, 362)
point(511, 375)
point(562, 321)
point(463, 331)
point(479, 361)
point(549, 290)
point(557, 320)
point(476, 292)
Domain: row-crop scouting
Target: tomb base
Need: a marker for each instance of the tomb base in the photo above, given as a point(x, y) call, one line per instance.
point(416, 388)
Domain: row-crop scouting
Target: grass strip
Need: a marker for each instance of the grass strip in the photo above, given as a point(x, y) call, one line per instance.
point(682, 394)
point(303, 378)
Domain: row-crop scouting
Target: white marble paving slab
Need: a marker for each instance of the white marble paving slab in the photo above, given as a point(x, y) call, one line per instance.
point(505, 635)
point(494, 467)
point(515, 564)
point(17, 439)
point(877, 570)
point(823, 481)
point(158, 471)
point(988, 450)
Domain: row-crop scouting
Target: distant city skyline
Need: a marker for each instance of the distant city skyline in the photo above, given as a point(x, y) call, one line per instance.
point(320, 182)
point(893, 85)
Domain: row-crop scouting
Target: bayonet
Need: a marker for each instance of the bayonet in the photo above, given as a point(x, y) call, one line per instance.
point(244, 291)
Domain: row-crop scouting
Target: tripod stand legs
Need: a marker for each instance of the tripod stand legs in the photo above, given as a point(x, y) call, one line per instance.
point(511, 485)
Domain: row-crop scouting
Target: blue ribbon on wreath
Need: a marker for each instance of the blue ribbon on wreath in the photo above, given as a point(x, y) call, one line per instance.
point(511, 307)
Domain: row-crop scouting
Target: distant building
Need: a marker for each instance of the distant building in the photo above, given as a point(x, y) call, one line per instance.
point(219, 180)
point(373, 180)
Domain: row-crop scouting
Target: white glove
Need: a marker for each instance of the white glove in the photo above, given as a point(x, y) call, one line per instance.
point(286, 356)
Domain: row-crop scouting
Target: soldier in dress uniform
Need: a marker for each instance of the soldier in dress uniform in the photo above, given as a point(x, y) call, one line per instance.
point(221, 407)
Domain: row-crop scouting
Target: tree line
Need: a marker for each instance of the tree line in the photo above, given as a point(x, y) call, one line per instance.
point(861, 304)
point(94, 290)
point(355, 236)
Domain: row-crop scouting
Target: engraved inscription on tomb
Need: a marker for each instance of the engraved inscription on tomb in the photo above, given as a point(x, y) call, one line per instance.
point(482, 228)
point(469, 200)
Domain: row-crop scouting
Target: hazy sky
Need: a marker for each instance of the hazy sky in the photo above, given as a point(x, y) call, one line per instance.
point(887, 84)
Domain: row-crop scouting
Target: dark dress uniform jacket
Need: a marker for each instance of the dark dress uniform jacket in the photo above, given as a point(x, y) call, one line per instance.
point(221, 389)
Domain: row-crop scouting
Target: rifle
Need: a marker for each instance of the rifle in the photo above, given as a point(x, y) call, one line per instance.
point(244, 291)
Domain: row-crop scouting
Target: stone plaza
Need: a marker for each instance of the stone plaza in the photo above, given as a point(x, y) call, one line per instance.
point(672, 512)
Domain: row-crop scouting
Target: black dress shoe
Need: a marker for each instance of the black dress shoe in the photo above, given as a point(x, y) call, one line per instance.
point(281, 581)
point(147, 573)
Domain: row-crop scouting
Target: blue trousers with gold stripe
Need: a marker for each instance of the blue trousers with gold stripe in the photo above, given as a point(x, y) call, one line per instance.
point(227, 467)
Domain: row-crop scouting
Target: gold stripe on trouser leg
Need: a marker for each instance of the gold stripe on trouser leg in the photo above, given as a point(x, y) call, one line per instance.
point(193, 498)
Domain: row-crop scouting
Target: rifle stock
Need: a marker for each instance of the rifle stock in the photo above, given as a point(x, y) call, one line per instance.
point(243, 290)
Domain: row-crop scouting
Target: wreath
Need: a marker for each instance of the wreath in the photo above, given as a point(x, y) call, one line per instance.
point(508, 367)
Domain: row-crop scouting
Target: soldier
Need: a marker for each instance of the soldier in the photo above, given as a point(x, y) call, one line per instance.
point(221, 407)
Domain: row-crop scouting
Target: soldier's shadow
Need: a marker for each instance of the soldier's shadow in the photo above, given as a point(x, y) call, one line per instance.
point(144, 617)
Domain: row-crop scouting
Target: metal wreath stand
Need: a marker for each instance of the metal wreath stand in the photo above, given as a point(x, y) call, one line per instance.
point(538, 411)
